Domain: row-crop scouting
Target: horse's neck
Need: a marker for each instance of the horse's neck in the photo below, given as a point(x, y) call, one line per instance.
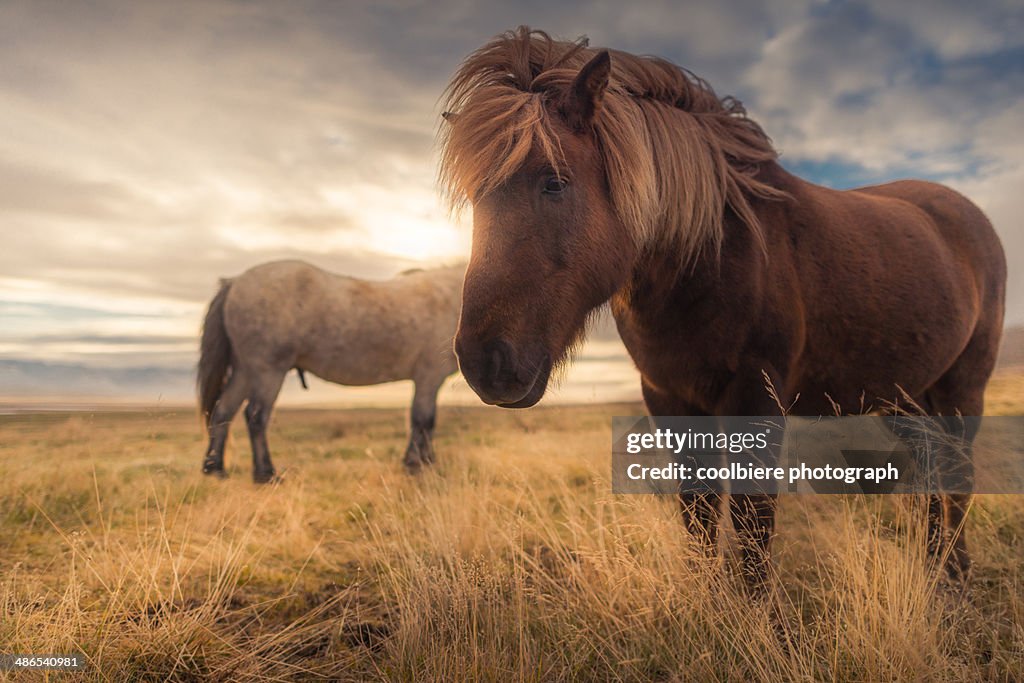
point(660, 289)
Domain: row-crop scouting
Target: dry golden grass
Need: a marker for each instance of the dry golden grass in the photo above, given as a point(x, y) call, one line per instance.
point(510, 561)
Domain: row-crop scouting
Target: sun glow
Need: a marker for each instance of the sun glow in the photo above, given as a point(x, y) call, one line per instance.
point(418, 238)
point(408, 224)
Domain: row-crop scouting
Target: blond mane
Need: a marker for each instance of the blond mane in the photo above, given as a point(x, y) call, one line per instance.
point(676, 155)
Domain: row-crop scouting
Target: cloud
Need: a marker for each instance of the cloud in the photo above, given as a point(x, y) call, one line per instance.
point(151, 148)
point(863, 93)
point(847, 84)
point(157, 149)
point(955, 30)
point(29, 189)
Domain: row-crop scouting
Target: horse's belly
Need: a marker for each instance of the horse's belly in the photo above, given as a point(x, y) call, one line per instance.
point(359, 368)
point(883, 342)
point(850, 355)
point(356, 378)
point(878, 364)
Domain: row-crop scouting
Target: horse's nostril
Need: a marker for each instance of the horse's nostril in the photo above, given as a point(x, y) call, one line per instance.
point(496, 363)
point(499, 362)
point(490, 366)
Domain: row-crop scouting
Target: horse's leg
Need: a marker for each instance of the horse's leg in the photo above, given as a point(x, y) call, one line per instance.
point(958, 566)
point(220, 422)
point(909, 431)
point(700, 510)
point(961, 391)
point(958, 478)
point(264, 387)
point(420, 451)
point(753, 517)
point(947, 510)
point(935, 542)
point(700, 516)
point(753, 514)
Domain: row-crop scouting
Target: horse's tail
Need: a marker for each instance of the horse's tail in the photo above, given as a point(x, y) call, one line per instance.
point(214, 354)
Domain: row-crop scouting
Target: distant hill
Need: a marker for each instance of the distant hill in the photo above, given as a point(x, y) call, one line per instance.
point(29, 378)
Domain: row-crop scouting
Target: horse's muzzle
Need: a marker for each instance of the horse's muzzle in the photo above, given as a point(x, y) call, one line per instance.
point(502, 376)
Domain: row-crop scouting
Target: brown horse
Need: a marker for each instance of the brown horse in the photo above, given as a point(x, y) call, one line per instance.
point(598, 175)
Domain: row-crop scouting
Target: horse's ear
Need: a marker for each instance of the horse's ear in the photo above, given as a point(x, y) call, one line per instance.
point(583, 101)
point(449, 116)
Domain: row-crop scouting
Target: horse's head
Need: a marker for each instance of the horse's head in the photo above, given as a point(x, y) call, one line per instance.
point(548, 248)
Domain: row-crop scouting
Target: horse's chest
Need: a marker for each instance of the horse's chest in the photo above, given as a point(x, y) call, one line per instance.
point(692, 368)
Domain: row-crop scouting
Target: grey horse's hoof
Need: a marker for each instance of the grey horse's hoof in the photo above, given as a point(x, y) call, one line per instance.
point(265, 477)
point(218, 472)
point(418, 455)
point(417, 458)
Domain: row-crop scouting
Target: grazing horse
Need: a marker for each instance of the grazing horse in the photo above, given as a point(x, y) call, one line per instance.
point(598, 175)
point(289, 314)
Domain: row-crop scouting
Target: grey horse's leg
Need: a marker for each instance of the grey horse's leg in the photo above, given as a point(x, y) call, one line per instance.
point(420, 451)
point(263, 391)
point(220, 422)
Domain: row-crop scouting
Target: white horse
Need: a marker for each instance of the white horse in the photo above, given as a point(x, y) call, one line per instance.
point(289, 314)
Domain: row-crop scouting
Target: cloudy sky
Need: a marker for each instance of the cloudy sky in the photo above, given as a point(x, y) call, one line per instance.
point(148, 148)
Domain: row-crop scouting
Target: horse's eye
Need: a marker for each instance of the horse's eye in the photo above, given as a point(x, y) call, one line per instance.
point(554, 185)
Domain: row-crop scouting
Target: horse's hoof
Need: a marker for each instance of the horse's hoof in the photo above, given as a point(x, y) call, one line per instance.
point(218, 472)
point(412, 466)
point(265, 478)
point(954, 587)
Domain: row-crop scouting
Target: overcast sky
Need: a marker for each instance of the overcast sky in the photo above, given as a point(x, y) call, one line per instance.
point(148, 148)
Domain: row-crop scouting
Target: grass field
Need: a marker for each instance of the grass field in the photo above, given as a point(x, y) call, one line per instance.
point(510, 560)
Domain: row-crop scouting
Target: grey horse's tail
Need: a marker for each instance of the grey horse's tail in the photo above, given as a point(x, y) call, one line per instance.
point(214, 354)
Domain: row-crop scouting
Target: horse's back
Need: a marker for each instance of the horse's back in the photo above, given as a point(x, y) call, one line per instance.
point(897, 282)
point(965, 233)
point(970, 236)
point(963, 226)
point(271, 308)
point(346, 330)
